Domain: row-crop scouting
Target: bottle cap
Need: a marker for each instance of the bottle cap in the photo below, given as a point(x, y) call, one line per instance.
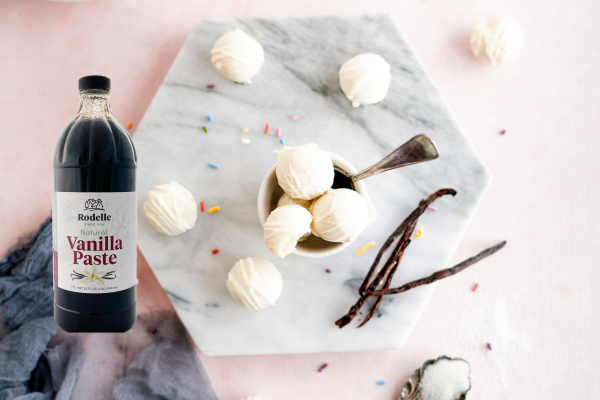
point(94, 82)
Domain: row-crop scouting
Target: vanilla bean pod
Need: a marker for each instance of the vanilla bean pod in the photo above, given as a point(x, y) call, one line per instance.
point(413, 217)
point(391, 265)
point(411, 285)
point(445, 273)
point(398, 251)
point(405, 240)
point(355, 309)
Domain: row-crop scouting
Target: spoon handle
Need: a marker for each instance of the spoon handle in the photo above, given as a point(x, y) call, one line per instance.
point(417, 150)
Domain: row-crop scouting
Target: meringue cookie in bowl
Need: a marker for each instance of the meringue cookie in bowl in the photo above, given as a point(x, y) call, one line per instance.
point(284, 227)
point(304, 172)
point(255, 283)
point(237, 56)
point(171, 209)
point(286, 200)
point(340, 215)
point(365, 79)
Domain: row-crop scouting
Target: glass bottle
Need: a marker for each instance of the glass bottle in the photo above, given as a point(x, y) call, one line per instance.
point(94, 217)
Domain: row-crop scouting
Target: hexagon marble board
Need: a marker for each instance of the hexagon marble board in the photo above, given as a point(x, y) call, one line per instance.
point(299, 77)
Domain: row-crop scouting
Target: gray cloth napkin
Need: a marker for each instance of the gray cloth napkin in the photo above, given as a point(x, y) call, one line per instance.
point(154, 360)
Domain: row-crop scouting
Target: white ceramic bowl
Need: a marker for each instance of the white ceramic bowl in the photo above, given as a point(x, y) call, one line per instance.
point(270, 192)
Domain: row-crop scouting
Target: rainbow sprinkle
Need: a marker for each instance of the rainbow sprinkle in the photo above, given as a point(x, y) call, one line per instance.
point(278, 132)
point(246, 141)
point(210, 86)
point(210, 118)
point(214, 209)
point(202, 206)
point(322, 367)
point(489, 346)
point(503, 131)
point(245, 130)
point(381, 383)
point(213, 165)
point(215, 251)
point(432, 208)
point(205, 129)
point(328, 270)
point(294, 117)
point(419, 234)
point(475, 287)
point(365, 247)
point(267, 129)
point(282, 142)
point(129, 125)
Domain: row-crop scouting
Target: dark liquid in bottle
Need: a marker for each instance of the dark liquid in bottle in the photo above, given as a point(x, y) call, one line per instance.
point(94, 155)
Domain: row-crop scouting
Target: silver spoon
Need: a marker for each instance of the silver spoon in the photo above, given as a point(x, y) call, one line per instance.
point(412, 390)
point(417, 150)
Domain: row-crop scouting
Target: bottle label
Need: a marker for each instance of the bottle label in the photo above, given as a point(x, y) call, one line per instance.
point(95, 241)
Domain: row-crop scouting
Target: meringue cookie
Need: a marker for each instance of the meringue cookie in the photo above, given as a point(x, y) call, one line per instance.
point(365, 79)
point(286, 200)
point(237, 56)
point(171, 209)
point(340, 215)
point(496, 39)
point(255, 283)
point(304, 172)
point(284, 226)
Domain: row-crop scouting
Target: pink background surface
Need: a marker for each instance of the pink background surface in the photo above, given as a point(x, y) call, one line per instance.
point(537, 303)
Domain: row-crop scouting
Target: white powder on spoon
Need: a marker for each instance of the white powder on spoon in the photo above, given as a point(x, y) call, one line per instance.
point(445, 380)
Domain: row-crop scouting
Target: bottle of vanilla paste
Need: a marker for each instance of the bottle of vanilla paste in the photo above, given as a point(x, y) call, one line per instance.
point(94, 218)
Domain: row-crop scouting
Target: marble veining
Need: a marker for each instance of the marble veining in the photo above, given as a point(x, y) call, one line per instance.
point(299, 77)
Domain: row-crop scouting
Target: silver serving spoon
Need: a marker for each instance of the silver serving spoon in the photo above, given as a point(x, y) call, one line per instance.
point(417, 150)
point(412, 390)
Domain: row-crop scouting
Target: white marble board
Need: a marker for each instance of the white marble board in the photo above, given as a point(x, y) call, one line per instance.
point(299, 77)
